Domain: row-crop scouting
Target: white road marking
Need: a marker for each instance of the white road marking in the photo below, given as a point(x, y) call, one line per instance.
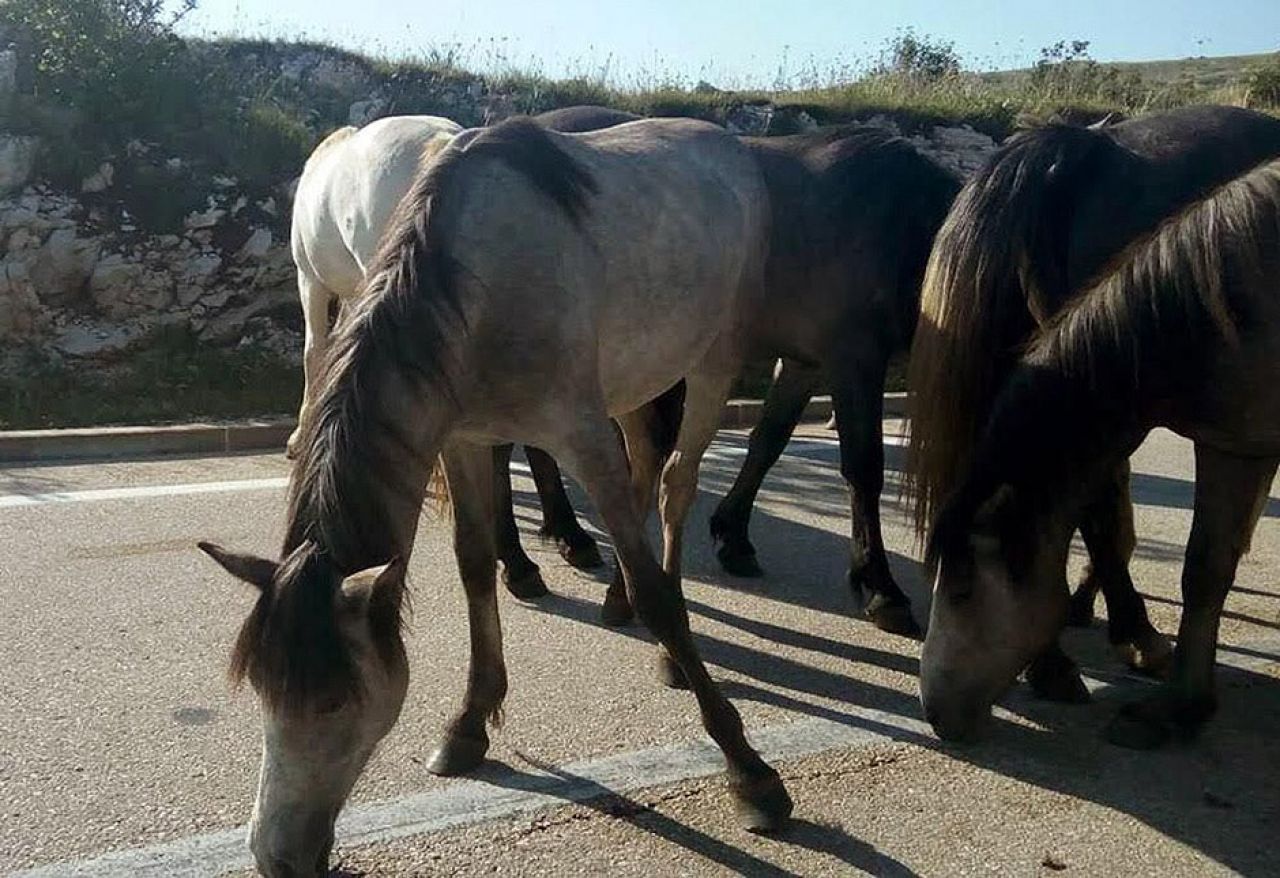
point(474, 801)
point(719, 451)
point(9, 501)
point(467, 802)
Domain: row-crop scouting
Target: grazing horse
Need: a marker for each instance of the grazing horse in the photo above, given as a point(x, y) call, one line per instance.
point(531, 286)
point(1046, 215)
point(855, 213)
point(1088, 286)
point(348, 191)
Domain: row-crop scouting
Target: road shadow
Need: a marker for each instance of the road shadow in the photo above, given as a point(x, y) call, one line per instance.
point(1219, 794)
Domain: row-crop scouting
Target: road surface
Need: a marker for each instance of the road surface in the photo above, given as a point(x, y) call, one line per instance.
point(124, 751)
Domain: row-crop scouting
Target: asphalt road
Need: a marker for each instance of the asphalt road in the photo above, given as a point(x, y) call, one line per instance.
point(123, 751)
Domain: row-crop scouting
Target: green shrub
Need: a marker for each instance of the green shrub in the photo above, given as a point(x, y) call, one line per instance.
point(1262, 83)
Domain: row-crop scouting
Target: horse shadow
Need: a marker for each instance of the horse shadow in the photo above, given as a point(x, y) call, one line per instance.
point(1185, 793)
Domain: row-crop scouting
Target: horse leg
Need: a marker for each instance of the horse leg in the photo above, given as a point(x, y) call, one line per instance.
point(519, 572)
point(316, 299)
point(596, 460)
point(643, 460)
point(857, 395)
point(1107, 529)
point(559, 523)
point(1230, 494)
point(793, 385)
point(469, 469)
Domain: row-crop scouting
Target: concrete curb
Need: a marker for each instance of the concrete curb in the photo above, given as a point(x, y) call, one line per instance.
point(100, 443)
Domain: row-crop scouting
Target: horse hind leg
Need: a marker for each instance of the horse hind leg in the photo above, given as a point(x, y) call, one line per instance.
point(316, 299)
point(520, 574)
point(1230, 493)
point(643, 462)
point(596, 460)
point(559, 523)
point(1107, 529)
point(793, 385)
point(857, 388)
point(469, 469)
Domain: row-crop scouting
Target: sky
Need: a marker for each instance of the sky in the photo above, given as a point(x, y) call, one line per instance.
point(739, 43)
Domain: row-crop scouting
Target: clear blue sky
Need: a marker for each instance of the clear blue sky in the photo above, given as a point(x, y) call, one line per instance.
point(744, 42)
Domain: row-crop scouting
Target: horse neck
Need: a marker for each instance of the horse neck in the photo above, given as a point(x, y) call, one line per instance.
point(358, 489)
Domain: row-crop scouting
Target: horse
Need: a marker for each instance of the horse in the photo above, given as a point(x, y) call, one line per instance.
point(855, 214)
point(531, 286)
point(346, 195)
point(1088, 286)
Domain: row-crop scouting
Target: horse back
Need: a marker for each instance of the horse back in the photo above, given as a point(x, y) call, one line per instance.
point(349, 189)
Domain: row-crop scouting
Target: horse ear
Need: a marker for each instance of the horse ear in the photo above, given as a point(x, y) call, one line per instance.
point(361, 589)
point(247, 568)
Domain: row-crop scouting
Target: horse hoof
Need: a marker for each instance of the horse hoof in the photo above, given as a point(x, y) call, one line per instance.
point(527, 586)
point(581, 554)
point(739, 563)
point(1150, 653)
point(669, 673)
point(616, 610)
point(1060, 682)
point(893, 618)
point(1139, 727)
point(762, 803)
point(458, 755)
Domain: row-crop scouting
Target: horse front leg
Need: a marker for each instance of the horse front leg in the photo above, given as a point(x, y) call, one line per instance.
point(793, 386)
point(595, 458)
point(469, 470)
point(520, 574)
point(857, 395)
point(1107, 529)
point(316, 299)
point(559, 523)
point(1230, 494)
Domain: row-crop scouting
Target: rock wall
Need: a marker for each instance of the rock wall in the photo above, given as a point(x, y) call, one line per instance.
point(80, 280)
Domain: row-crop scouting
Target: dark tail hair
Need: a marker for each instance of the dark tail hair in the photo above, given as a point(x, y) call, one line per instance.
point(993, 273)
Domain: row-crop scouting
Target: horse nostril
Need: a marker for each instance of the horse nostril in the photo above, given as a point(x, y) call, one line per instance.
point(281, 869)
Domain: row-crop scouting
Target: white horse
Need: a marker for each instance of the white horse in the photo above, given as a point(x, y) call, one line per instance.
point(349, 188)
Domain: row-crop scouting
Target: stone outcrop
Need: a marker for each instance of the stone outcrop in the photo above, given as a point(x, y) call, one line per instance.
point(82, 278)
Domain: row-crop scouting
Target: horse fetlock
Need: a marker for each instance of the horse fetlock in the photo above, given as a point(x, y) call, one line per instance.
point(670, 674)
point(524, 583)
point(616, 610)
point(1080, 609)
point(889, 612)
point(579, 550)
point(1148, 652)
point(760, 800)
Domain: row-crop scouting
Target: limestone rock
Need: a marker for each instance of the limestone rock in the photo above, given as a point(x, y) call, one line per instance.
point(17, 161)
point(63, 265)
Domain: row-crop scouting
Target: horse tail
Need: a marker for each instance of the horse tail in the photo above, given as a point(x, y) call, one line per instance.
point(407, 329)
point(994, 272)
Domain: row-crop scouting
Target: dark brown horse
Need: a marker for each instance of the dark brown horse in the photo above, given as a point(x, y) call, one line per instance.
point(1088, 285)
point(855, 211)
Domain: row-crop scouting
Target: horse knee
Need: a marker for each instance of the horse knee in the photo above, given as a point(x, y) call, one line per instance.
point(660, 607)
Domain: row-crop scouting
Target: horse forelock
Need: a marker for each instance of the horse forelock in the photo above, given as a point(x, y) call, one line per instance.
point(290, 648)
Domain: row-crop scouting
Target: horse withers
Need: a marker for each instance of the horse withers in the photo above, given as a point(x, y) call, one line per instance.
point(1176, 325)
point(532, 285)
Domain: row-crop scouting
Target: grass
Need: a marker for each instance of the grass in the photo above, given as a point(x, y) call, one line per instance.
point(171, 378)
